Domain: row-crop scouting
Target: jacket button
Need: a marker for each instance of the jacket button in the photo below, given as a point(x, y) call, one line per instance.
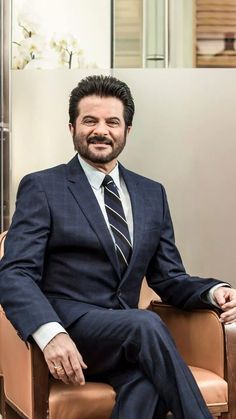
point(119, 293)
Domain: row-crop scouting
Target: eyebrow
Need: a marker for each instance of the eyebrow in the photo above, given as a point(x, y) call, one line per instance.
point(89, 116)
point(107, 119)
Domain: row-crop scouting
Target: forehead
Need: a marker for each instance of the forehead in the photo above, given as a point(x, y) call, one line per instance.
point(101, 106)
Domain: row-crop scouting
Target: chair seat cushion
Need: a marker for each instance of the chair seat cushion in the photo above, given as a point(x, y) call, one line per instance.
point(91, 401)
point(96, 400)
point(213, 388)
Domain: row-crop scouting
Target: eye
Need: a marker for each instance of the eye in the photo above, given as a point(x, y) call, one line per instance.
point(89, 122)
point(113, 122)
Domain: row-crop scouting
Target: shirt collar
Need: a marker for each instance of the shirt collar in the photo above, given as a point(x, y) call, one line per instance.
point(96, 177)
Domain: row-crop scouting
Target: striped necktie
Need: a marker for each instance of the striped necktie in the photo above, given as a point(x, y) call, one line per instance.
point(117, 221)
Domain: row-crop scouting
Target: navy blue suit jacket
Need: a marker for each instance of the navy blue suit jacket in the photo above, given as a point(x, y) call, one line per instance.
point(60, 259)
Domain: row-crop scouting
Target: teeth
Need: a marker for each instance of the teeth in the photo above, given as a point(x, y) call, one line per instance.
point(99, 142)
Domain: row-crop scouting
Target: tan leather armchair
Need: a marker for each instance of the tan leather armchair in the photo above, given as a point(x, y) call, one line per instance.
point(2, 236)
point(208, 347)
point(1, 371)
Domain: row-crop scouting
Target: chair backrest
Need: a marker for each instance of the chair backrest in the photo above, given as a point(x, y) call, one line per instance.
point(2, 238)
point(147, 295)
point(20, 396)
point(1, 337)
point(198, 335)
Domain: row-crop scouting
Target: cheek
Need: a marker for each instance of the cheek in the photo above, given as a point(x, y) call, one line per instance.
point(118, 134)
point(120, 138)
point(82, 134)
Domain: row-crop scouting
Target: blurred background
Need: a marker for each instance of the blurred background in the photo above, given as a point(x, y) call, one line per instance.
point(179, 60)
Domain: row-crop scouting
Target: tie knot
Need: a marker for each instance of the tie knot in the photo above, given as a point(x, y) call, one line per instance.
point(108, 180)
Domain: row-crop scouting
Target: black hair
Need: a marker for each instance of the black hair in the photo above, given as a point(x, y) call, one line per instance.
point(104, 86)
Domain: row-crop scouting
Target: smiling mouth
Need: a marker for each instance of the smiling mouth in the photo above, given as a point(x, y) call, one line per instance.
point(99, 141)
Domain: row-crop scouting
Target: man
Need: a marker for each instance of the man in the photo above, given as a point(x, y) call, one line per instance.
point(78, 248)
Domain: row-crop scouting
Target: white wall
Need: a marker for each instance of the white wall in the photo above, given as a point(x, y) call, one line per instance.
point(183, 135)
point(40, 134)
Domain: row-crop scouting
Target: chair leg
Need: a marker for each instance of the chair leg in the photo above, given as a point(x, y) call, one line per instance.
point(10, 413)
point(2, 397)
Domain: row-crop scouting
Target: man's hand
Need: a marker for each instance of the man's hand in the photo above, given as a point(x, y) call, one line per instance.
point(64, 360)
point(225, 297)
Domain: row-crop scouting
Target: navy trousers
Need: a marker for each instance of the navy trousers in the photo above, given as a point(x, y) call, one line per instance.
point(134, 352)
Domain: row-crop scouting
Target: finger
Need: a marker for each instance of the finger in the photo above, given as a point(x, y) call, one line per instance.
point(52, 370)
point(69, 371)
point(58, 375)
point(75, 360)
point(228, 319)
point(221, 295)
point(228, 315)
point(81, 361)
point(230, 322)
point(57, 371)
point(220, 299)
point(73, 365)
point(229, 305)
point(62, 376)
point(61, 373)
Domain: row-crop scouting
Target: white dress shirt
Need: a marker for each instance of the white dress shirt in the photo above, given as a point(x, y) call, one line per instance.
point(45, 333)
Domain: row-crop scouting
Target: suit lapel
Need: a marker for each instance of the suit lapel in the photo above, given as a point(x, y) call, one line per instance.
point(85, 198)
point(138, 210)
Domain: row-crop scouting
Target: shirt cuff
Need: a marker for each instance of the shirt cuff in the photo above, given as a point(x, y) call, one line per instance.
point(45, 333)
point(210, 295)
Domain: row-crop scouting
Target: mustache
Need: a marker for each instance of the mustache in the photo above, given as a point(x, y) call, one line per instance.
point(99, 139)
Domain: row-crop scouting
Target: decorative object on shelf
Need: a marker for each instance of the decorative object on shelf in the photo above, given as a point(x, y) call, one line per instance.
point(30, 46)
point(216, 33)
point(33, 50)
point(68, 50)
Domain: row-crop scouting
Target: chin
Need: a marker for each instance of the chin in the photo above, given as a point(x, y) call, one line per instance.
point(100, 157)
point(101, 160)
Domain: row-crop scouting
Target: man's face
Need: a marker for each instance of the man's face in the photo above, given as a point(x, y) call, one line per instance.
point(99, 133)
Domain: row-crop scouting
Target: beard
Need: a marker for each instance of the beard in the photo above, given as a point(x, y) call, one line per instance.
point(82, 146)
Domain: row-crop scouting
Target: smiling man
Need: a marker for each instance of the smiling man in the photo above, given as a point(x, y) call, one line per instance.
point(83, 236)
point(99, 133)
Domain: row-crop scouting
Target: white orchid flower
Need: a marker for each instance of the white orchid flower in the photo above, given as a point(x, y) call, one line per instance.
point(29, 22)
point(19, 61)
point(33, 46)
point(67, 46)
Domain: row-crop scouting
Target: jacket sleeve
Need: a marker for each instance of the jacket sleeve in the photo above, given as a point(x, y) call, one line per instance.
point(22, 266)
point(166, 273)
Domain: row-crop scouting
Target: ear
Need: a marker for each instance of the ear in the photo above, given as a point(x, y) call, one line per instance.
point(71, 128)
point(129, 129)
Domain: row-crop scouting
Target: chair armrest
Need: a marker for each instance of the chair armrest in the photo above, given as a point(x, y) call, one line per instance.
point(2, 239)
point(25, 373)
point(230, 366)
point(198, 334)
point(1, 340)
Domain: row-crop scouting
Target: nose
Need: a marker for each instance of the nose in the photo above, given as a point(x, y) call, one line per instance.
point(101, 128)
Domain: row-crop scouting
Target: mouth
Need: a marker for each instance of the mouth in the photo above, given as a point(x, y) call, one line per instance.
point(100, 141)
